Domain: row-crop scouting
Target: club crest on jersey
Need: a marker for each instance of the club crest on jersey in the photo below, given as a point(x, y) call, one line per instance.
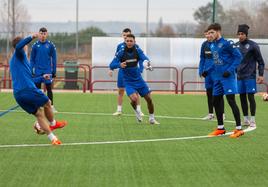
point(247, 46)
point(220, 45)
point(47, 46)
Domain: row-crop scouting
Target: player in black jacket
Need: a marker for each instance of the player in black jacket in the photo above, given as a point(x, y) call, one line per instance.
point(246, 73)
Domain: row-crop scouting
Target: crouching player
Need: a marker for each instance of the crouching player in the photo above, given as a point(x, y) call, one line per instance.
point(130, 59)
point(27, 95)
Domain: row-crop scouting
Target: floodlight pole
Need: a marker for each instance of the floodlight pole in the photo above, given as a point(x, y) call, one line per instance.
point(214, 11)
point(77, 37)
point(147, 18)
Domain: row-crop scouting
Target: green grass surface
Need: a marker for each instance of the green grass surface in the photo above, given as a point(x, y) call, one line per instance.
point(220, 161)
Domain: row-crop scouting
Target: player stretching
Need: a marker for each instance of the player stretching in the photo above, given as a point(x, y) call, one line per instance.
point(128, 59)
point(226, 59)
point(27, 95)
point(120, 82)
point(246, 73)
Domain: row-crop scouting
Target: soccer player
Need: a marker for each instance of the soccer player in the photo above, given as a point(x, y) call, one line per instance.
point(44, 61)
point(120, 82)
point(27, 95)
point(246, 73)
point(226, 59)
point(205, 65)
point(130, 59)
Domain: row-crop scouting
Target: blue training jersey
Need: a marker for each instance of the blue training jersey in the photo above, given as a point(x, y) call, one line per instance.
point(251, 55)
point(226, 57)
point(206, 60)
point(131, 74)
point(43, 58)
point(20, 68)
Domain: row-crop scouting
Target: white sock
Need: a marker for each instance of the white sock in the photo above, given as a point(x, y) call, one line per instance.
point(119, 108)
point(138, 108)
point(51, 136)
point(220, 126)
point(246, 118)
point(53, 123)
point(151, 116)
point(252, 118)
point(238, 127)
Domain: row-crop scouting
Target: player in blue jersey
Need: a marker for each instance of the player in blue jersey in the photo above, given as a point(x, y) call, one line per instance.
point(226, 59)
point(27, 95)
point(44, 61)
point(130, 59)
point(246, 73)
point(205, 64)
point(120, 82)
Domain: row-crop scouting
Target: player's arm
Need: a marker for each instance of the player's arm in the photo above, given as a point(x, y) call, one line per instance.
point(144, 58)
point(115, 64)
point(32, 58)
point(24, 42)
point(54, 60)
point(236, 56)
point(260, 62)
point(202, 60)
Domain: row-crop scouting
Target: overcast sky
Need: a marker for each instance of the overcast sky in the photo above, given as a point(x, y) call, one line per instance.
point(171, 11)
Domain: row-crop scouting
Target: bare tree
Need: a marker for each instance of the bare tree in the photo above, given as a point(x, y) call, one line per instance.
point(14, 17)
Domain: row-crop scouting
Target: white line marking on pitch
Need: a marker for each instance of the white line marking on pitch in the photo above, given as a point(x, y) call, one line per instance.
point(124, 141)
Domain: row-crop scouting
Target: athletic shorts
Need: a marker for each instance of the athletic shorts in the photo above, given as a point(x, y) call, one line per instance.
point(208, 82)
point(224, 87)
point(142, 90)
point(120, 80)
point(43, 80)
point(31, 100)
point(247, 86)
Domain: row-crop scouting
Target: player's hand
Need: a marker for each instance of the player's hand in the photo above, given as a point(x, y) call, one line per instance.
point(110, 73)
point(35, 35)
point(123, 64)
point(260, 79)
point(53, 75)
point(46, 76)
point(226, 74)
point(204, 74)
point(148, 65)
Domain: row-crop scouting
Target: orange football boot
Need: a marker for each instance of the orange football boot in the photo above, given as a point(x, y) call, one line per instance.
point(59, 124)
point(217, 132)
point(237, 133)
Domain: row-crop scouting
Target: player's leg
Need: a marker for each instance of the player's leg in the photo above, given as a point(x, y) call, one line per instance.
point(217, 103)
point(42, 121)
point(50, 117)
point(244, 106)
point(33, 101)
point(121, 92)
point(252, 104)
point(241, 88)
point(134, 101)
point(50, 95)
point(251, 87)
point(139, 105)
point(209, 90)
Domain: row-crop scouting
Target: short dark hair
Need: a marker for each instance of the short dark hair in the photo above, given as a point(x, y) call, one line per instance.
point(16, 40)
point(131, 36)
point(43, 29)
point(214, 26)
point(127, 30)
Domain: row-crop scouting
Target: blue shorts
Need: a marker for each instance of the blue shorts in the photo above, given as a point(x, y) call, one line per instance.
point(247, 86)
point(224, 87)
point(120, 80)
point(143, 89)
point(31, 100)
point(208, 82)
point(43, 80)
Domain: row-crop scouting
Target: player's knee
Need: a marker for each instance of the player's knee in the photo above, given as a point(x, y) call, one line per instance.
point(121, 92)
point(48, 104)
point(39, 112)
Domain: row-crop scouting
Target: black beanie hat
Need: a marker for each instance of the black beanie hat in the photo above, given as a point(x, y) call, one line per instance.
point(243, 28)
